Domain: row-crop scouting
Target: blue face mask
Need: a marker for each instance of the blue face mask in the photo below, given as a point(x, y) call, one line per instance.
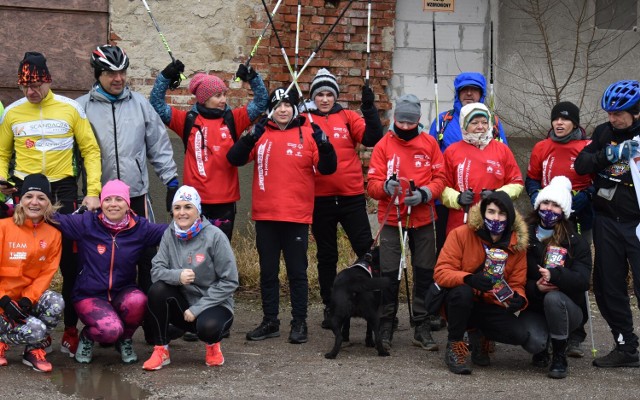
point(495, 227)
point(549, 218)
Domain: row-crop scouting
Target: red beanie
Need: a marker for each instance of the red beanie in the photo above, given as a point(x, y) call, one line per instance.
point(204, 86)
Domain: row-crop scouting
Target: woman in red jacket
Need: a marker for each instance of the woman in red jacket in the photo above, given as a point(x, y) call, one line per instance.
point(29, 258)
point(476, 259)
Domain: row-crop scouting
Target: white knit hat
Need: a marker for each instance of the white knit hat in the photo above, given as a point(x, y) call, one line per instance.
point(558, 191)
point(187, 193)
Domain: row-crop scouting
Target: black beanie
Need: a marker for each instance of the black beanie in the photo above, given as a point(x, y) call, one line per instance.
point(33, 69)
point(566, 109)
point(37, 182)
point(291, 98)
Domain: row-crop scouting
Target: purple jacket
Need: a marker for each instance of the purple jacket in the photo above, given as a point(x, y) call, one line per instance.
point(107, 263)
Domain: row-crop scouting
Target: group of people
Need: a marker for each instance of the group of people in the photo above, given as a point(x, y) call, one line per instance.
point(457, 181)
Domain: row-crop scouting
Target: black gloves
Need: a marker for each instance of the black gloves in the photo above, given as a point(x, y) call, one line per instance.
point(485, 193)
point(258, 128)
point(13, 311)
point(172, 72)
point(172, 188)
point(26, 305)
point(318, 134)
point(516, 303)
point(367, 97)
point(465, 198)
point(246, 73)
point(479, 281)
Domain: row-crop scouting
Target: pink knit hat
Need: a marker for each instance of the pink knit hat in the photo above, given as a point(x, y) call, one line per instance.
point(115, 188)
point(204, 86)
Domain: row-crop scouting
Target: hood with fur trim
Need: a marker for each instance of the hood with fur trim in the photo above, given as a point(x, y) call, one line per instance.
point(519, 226)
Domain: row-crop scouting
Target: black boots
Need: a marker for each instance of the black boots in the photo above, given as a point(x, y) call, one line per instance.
point(559, 367)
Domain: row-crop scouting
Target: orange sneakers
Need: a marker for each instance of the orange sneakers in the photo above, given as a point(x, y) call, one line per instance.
point(35, 358)
point(214, 357)
point(158, 359)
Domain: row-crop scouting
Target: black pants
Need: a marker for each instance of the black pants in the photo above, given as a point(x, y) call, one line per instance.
point(495, 322)
point(166, 304)
point(224, 213)
point(64, 191)
point(140, 206)
point(292, 240)
point(351, 213)
point(441, 225)
point(617, 247)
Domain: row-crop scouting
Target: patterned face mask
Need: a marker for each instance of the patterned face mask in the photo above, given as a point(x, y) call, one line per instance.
point(549, 218)
point(479, 140)
point(495, 227)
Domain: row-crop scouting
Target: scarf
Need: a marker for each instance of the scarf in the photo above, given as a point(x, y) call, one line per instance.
point(210, 113)
point(479, 140)
point(576, 134)
point(115, 227)
point(189, 233)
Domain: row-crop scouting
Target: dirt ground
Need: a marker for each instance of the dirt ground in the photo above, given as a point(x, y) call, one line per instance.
point(274, 368)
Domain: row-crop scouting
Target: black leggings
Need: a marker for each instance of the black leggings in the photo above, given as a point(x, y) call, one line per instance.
point(166, 304)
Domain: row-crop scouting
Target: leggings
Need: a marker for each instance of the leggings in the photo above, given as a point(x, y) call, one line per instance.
point(45, 315)
point(167, 305)
point(108, 322)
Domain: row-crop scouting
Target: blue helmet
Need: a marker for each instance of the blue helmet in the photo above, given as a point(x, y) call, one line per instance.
point(621, 96)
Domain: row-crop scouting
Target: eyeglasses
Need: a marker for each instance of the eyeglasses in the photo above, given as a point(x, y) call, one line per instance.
point(114, 74)
point(33, 86)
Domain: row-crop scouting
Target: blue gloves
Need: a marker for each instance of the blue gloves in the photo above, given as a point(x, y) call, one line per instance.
point(579, 201)
point(172, 188)
point(259, 128)
point(391, 186)
point(623, 151)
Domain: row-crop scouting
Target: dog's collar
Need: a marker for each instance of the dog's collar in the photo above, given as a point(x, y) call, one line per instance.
point(364, 266)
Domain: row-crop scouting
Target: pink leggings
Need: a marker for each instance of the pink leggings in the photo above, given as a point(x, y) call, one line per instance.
point(108, 322)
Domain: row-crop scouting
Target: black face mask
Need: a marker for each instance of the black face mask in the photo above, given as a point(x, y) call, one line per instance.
point(405, 134)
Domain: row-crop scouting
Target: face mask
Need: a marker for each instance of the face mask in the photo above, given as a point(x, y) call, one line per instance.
point(548, 218)
point(495, 227)
point(479, 140)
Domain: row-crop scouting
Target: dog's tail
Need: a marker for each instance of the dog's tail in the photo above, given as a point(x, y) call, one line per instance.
point(371, 284)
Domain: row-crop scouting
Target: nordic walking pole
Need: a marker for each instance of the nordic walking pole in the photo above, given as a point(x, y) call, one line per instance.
point(491, 93)
point(396, 202)
point(255, 47)
point(297, 35)
point(286, 60)
point(164, 40)
point(593, 341)
point(366, 77)
point(435, 77)
point(403, 262)
point(312, 56)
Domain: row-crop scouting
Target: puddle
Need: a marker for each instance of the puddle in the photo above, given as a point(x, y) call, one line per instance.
point(95, 382)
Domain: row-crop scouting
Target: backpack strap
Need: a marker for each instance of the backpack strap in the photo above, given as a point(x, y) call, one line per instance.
point(188, 125)
point(231, 124)
point(496, 130)
point(445, 121)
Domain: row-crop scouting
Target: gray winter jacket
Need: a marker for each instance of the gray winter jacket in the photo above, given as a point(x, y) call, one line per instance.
point(129, 132)
point(210, 256)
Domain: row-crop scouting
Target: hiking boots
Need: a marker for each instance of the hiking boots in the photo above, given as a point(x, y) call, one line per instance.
point(266, 329)
point(125, 348)
point(213, 356)
point(386, 334)
point(618, 358)
point(298, 332)
point(36, 359)
point(159, 358)
point(70, 340)
point(3, 360)
point(574, 349)
point(541, 360)
point(326, 321)
point(559, 366)
point(437, 322)
point(84, 351)
point(422, 337)
point(479, 349)
point(457, 357)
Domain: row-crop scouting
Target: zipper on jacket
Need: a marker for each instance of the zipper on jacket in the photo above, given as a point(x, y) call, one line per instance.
point(115, 139)
point(44, 153)
point(113, 254)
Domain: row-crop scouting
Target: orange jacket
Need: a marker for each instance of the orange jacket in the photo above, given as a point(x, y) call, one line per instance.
point(463, 253)
point(29, 257)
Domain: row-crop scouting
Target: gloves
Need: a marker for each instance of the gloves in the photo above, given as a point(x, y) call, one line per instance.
point(391, 186)
point(26, 304)
point(367, 97)
point(516, 303)
point(627, 149)
point(485, 193)
point(612, 153)
point(258, 128)
point(173, 71)
point(465, 198)
point(318, 134)
point(479, 281)
point(172, 188)
point(414, 198)
point(246, 73)
point(426, 193)
point(13, 311)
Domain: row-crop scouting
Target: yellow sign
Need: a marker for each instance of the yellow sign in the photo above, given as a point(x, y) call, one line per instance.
point(438, 5)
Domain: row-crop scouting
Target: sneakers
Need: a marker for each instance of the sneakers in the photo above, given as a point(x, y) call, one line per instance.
point(84, 351)
point(70, 340)
point(213, 356)
point(125, 348)
point(46, 344)
point(298, 332)
point(266, 329)
point(3, 360)
point(575, 349)
point(479, 349)
point(35, 358)
point(457, 358)
point(326, 322)
point(422, 337)
point(618, 358)
point(159, 358)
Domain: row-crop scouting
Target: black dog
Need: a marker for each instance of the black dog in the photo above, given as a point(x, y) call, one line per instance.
point(353, 295)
